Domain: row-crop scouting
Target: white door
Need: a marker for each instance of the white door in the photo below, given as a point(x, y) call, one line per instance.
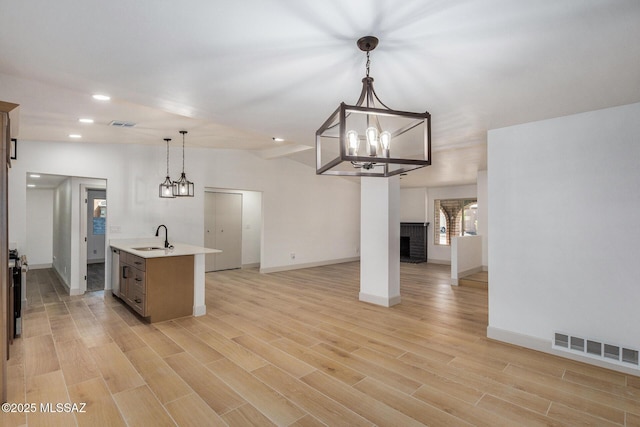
point(223, 230)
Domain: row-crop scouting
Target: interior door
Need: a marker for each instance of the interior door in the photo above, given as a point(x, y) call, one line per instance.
point(223, 230)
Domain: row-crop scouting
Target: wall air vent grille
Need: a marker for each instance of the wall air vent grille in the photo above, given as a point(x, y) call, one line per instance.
point(122, 124)
point(612, 353)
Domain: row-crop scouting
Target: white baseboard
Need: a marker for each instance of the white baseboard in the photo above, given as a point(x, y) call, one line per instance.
point(253, 265)
point(439, 261)
point(545, 346)
point(64, 282)
point(39, 266)
point(199, 310)
point(461, 275)
point(307, 265)
point(377, 300)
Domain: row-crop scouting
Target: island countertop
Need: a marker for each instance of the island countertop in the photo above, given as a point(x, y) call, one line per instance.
point(179, 249)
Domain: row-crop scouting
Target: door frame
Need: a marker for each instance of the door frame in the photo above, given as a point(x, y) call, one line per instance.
point(82, 256)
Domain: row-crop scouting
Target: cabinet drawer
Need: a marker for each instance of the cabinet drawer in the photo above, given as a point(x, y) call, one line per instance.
point(136, 261)
point(138, 281)
point(138, 301)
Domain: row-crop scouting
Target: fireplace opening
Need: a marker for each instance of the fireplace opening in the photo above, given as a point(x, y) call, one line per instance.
point(405, 247)
point(413, 242)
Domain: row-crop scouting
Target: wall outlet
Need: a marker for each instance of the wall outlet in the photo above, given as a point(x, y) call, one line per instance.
point(115, 229)
point(292, 255)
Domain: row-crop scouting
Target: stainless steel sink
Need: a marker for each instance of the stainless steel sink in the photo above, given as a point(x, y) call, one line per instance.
point(149, 248)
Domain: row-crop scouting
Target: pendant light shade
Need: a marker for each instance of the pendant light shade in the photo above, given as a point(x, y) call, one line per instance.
point(166, 188)
point(183, 187)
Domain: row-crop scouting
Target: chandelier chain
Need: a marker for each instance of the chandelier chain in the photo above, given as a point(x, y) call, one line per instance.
point(368, 63)
point(183, 151)
point(168, 156)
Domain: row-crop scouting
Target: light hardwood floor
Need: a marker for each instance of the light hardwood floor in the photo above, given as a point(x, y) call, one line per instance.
point(297, 348)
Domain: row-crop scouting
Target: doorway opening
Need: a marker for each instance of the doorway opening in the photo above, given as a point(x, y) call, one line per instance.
point(58, 224)
point(96, 200)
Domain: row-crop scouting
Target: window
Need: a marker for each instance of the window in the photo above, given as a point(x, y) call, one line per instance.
point(454, 217)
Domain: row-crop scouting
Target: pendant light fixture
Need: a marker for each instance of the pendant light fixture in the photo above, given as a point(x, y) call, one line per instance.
point(166, 188)
point(369, 138)
point(183, 187)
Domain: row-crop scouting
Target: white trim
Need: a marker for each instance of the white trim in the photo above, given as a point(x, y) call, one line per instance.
point(439, 261)
point(462, 274)
point(308, 265)
point(39, 266)
point(253, 265)
point(199, 310)
point(378, 300)
point(545, 346)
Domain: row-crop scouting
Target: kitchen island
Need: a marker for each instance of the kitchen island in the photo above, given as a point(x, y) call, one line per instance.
point(158, 283)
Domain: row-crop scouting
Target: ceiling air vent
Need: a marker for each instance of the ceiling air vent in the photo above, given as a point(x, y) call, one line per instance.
point(122, 124)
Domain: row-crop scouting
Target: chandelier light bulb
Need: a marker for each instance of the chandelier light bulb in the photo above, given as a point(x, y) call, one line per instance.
point(385, 141)
point(353, 142)
point(372, 141)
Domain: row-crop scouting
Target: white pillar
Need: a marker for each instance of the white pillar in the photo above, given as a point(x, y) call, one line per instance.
point(380, 240)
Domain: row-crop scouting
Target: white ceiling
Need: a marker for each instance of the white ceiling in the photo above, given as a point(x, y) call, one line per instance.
point(237, 73)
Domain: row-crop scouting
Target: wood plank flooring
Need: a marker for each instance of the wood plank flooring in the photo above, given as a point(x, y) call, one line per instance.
point(476, 280)
point(298, 349)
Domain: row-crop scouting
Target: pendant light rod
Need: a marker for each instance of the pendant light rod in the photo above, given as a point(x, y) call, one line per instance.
point(168, 140)
point(183, 187)
point(165, 191)
point(183, 132)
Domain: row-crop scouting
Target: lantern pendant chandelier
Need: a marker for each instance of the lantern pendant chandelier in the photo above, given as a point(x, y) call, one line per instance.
point(183, 187)
point(369, 138)
point(166, 188)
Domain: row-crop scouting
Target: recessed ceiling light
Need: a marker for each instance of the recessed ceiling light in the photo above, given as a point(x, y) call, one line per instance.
point(31, 185)
point(34, 175)
point(276, 139)
point(82, 120)
point(75, 135)
point(101, 97)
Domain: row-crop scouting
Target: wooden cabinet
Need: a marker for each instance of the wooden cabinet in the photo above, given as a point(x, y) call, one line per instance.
point(157, 288)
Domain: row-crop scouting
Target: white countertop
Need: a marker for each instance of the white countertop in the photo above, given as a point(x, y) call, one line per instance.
point(179, 249)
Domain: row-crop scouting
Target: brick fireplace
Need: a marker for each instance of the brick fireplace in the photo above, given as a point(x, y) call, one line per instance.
point(413, 242)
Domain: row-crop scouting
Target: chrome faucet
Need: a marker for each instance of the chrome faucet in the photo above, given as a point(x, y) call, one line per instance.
point(166, 234)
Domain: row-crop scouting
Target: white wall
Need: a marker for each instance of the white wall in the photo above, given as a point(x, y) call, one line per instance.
point(39, 221)
point(483, 216)
point(61, 230)
point(316, 217)
point(413, 205)
point(466, 256)
point(440, 253)
point(564, 252)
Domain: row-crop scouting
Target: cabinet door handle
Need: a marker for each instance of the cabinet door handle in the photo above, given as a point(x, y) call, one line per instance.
point(125, 271)
point(137, 262)
point(138, 300)
point(138, 280)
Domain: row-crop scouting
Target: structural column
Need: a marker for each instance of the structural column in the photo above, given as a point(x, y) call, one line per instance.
point(380, 240)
